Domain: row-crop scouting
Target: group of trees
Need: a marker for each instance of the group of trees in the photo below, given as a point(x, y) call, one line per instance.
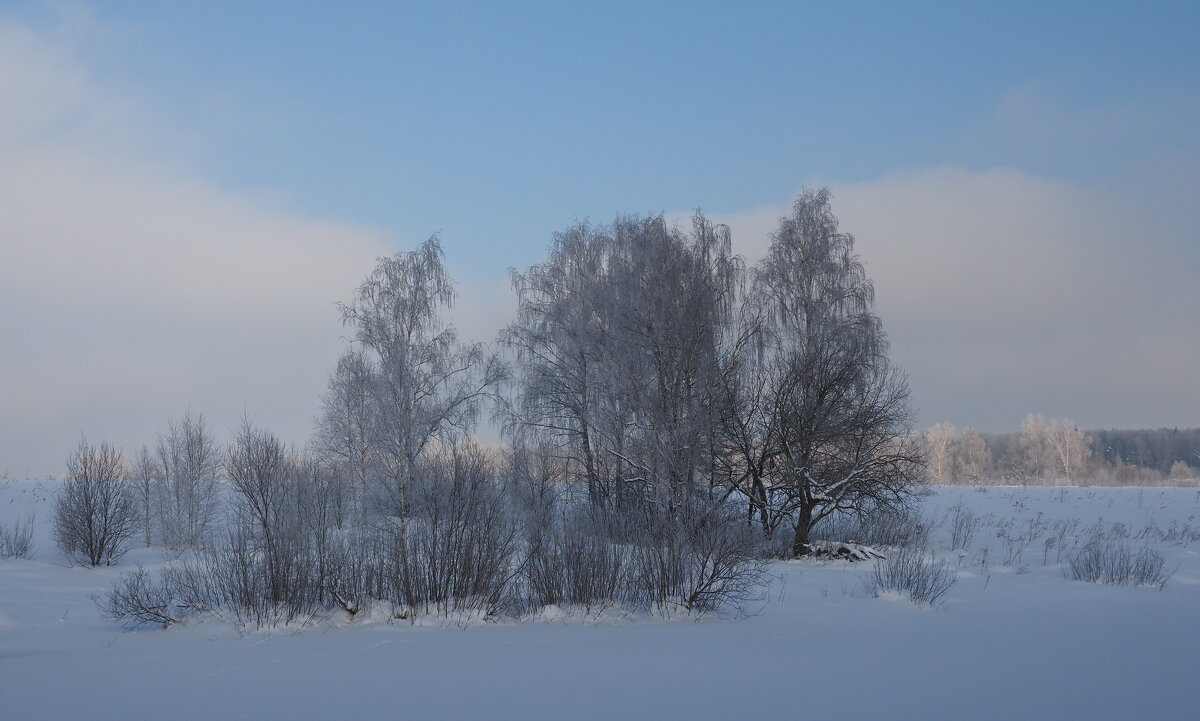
point(662, 369)
point(170, 492)
point(669, 414)
point(1058, 451)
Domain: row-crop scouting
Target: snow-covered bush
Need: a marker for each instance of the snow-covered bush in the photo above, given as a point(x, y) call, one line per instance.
point(912, 573)
point(1112, 562)
point(16, 541)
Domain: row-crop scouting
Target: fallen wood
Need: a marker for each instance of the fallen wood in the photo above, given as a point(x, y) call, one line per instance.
point(841, 551)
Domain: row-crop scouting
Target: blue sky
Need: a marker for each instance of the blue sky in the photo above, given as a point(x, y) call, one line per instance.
point(375, 125)
point(497, 123)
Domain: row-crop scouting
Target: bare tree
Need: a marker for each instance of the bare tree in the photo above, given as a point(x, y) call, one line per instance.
point(1036, 454)
point(559, 337)
point(939, 459)
point(617, 338)
point(675, 299)
point(841, 414)
point(1069, 446)
point(972, 458)
point(96, 511)
point(343, 433)
point(190, 461)
point(264, 476)
point(145, 474)
point(426, 386)
point(261, 472)
point(747, 440)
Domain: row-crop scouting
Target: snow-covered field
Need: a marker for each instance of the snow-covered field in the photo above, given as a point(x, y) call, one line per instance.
point(1013, 639)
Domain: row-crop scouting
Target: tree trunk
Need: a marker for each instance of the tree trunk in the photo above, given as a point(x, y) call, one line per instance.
point(803, 528)
point(764, 516)
point(589, 462)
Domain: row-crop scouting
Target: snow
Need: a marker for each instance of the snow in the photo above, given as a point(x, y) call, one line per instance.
point(1018, 641)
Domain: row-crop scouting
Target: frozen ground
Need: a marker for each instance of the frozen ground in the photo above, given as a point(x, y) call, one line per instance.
point(1013, 640)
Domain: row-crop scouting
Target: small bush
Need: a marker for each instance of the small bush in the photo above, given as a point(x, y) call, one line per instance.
point(701, 558)
point(136, 600)
point(16, 541)
point(573, 562)
point(724, 565)
point(455, 550)
point(913, 573)
point(1112, 562)
point(963, 526)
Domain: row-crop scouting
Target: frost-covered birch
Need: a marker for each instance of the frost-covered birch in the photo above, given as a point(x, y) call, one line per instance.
point(190, 461)
point(425, 386)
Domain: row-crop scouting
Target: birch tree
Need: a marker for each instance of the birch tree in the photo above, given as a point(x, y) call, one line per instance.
point(1069, 446)
point(617, 341)
point(343, 433)
point(190, 461)
point(676, 295)
point(939, 459)
point(559, 337)
point(425, 386)
point(972, 458)
point(146, 474)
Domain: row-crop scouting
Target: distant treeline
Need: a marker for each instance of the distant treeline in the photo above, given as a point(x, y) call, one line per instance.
point(1158, 449)
point(1058, 451)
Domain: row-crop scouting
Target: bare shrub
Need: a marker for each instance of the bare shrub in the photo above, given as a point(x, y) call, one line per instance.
point(257, 586)
point(16, 541)
point(455, 547)
point(96, 511)
point(282, 559)
point(571, 561)
point(963, 526)
point(914, 573)
point(464, 544)
point(1112, 562)
point(723, 566)
point(136, 600)
point(700, 558)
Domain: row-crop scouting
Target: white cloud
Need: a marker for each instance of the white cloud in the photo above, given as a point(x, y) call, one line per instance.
point(1005, 293)
point(132, 291)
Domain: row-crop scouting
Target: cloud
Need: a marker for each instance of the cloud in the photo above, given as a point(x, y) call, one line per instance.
point(133, 290)
point(1005, 293)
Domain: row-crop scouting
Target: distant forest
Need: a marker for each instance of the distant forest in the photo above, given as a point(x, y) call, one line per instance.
point(1159, 449)
point(1058, 451)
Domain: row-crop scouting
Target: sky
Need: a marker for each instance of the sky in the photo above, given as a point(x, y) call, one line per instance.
point(187, 189)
